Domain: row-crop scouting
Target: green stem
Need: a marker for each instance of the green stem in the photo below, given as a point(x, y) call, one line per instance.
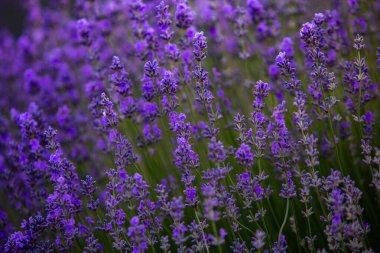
point(296, 228)
point(203, 234)
point(284, 221)
point(360, 87)
point(309, 226)
point(260, 207)
point(245, 227)
point(216, 234)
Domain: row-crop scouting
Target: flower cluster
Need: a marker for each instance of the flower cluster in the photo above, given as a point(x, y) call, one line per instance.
point(190, 126)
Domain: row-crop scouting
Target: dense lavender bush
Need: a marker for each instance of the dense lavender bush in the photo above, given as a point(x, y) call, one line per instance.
point(191, 126)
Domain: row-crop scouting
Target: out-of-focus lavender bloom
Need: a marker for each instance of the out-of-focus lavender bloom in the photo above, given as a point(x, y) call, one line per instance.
point(217, 152)
point(83, 28)
point(210, 202)
point(185, 157)
point(119, 78)
point(281, 246)
point(183, 15)
point(258, 240)
point(168, 85)
point(359, 86)
point(244, 156)
point(102, 110)
point(288, 189)
point(136, 232)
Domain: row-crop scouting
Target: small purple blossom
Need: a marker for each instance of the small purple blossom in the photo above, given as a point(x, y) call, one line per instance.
point(244, 156)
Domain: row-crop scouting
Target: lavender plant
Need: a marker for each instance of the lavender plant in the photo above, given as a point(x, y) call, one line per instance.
point(191, 126)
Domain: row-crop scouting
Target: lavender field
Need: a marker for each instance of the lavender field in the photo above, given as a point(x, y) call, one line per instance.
point(191, 126)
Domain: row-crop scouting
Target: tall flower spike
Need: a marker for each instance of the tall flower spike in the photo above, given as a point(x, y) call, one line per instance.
point(185, 157)
point(83, 29)
point(183, 15)
point(244, 156)
point(119, 78)
point(200, 46)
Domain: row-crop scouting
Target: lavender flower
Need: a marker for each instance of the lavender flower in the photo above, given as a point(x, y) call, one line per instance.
point(258, 240)
point(183, 15)
point(244, 156)
point(217, 152)
point(200, 46)
point(83, 28)
point(185, 157)
point(119, 78)
point(134, 126)
point(136, 232)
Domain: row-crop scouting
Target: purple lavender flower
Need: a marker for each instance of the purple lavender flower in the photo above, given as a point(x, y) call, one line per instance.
point(168, 85)
point(16, 242)
point(127, 106)
point(191, 196)
point(32, 82)
point(250, 189)
point(151, 69)
point(185, 157)
point(146, 67)
point(256, 9)
point(83, 29)
point(183, 15)
point(124, 155)
point(288, 189)
point(281, 246)
point(217, 152)
point(258, 241)
point(210, 203)
point(342, 199)
point(136, 232)
point(287, 68)
point(308, 33)
point(164, 21)
point(244, 156)
point(119, 78)
point(148, 89)
point(102, 110)
point(200, 46)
